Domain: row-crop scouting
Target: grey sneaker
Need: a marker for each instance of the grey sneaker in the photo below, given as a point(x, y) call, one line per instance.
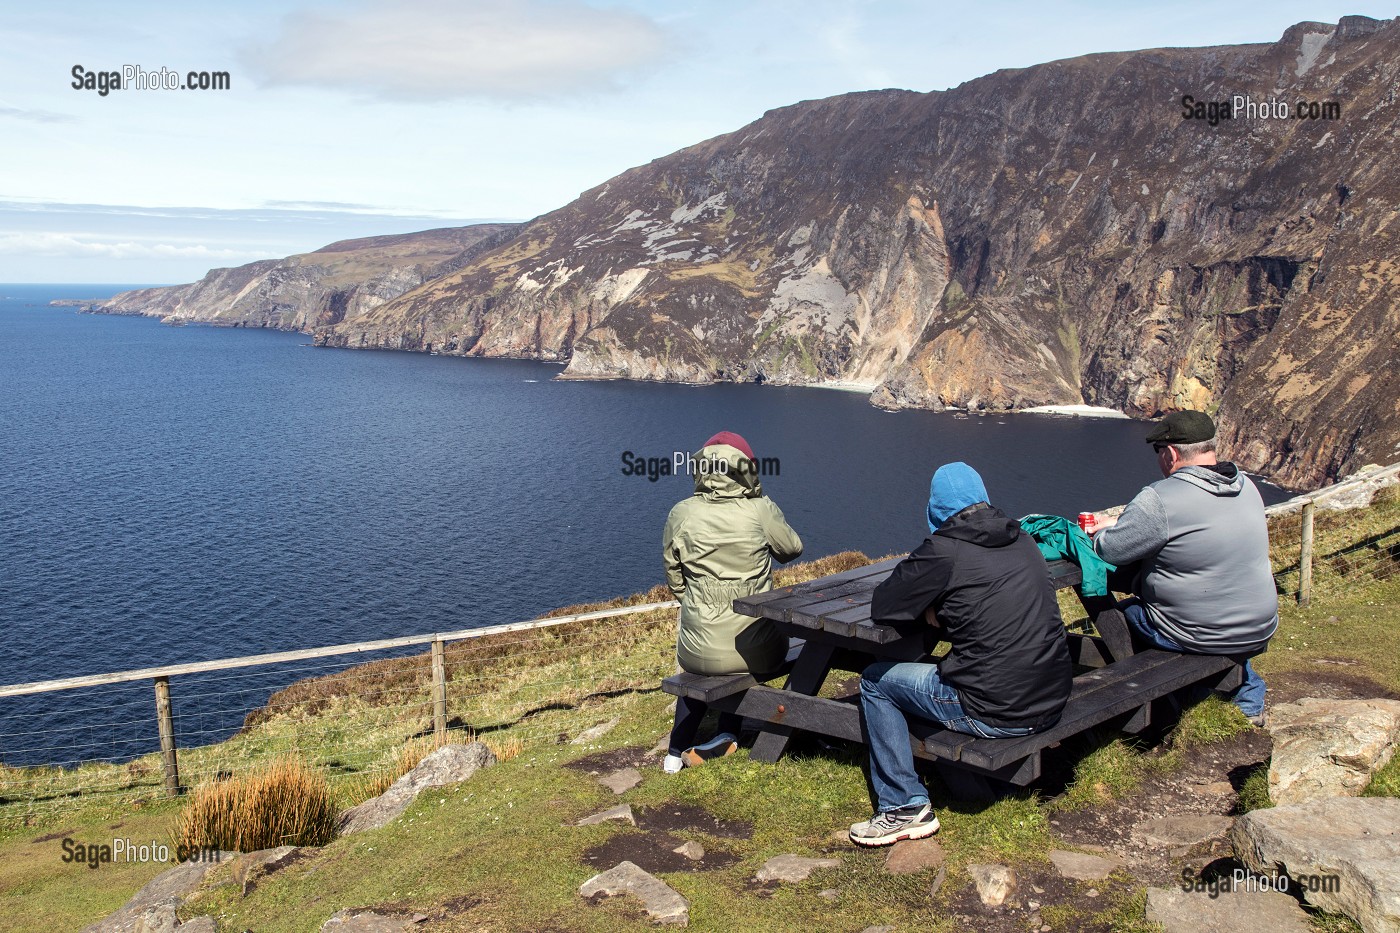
point(883, 829)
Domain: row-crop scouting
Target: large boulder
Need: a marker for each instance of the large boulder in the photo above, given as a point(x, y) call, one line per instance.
point(1330, 748)
point(450, 764)
point(1342, 855)
point(154, 905)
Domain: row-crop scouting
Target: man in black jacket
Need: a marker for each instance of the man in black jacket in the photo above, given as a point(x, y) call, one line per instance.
point(1008, 672)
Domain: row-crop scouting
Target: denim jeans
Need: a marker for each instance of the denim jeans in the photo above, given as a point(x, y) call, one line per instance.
point(888, 692)
point(1248, 696)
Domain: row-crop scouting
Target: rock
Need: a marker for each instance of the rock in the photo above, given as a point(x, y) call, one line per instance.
point(450, 764)
point(157, 920)
point(619, 782)
point(911, 855)
point(792, 868)
point(1182, 831)
point(1080, 866)
point(938, 879)
point(356, 920)
point(1329, 748)
point(691, 850)
point(1217, 789)
point(995, 883)
point(622, 812)
point(1342, 855)
point(596, 732)
point(662, 903)
point(881, 929)
point(829, 894)
point(1229, 911)
point(250, 867)
point(197, 925)
point(168, 889)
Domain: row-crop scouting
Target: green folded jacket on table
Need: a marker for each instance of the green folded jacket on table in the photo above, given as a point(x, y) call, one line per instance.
point(1061, 538)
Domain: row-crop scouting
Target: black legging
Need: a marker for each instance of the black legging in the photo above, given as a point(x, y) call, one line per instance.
point(689, 714)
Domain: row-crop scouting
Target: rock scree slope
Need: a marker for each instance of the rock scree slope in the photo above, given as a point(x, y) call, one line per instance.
point(1058, 234)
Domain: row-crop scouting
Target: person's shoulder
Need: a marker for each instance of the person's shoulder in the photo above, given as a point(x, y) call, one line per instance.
point(1151, 494)
point(933, 545)
point(683, 508)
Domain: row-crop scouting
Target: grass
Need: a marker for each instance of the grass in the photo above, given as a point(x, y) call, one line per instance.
point(285, 803)
point(1117, 767)
point(1355, 592)
point(1333, 923)
point(1386, 781)
point(1254, 792)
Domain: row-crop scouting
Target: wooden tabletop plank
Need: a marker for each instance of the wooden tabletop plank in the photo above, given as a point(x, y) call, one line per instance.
point(859, 590)
point(749, 605)
point(1065, 573)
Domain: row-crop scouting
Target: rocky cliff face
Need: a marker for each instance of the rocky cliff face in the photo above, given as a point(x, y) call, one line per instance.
point(310, 290)
point(1056, 234)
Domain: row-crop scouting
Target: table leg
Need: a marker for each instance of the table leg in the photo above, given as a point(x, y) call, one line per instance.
point(1111, 625)
point(808, 675)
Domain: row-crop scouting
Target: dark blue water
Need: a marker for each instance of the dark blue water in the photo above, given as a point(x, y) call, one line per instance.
point(173, 494)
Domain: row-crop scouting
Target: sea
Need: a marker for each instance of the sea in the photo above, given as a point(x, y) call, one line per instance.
point(177, 494)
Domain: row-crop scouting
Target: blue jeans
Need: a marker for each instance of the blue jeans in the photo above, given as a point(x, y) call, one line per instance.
point(888, 691)
point(1248, 696)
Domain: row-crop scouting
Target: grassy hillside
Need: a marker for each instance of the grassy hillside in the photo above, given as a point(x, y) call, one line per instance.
point(500, 852)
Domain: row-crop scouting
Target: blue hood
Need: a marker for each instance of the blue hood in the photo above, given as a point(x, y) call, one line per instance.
point(955, 486)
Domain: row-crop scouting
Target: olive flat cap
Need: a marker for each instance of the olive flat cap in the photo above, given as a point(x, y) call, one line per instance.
point(1183, 427)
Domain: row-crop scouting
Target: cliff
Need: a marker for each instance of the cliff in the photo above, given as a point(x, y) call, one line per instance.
point(317, 289)
point(1059, 234)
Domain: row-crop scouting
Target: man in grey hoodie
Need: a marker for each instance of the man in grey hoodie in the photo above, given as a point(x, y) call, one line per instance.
point(1199, 541)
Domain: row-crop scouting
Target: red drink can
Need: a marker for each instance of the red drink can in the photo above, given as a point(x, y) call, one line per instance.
point(1087, 521)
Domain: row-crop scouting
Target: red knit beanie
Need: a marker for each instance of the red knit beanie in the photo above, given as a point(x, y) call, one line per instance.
point(733, 440)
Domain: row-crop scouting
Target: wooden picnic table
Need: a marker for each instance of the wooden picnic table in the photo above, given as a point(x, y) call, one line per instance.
point(828, 620)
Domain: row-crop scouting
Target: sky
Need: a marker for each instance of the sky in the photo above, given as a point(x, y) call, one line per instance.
point(364, 117)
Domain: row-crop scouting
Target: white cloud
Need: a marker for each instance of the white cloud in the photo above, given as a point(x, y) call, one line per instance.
point(36, 116)
point(68, 245)
point(439, 49)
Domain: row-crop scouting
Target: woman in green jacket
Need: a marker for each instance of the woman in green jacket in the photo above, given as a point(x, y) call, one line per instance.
point(719, 545)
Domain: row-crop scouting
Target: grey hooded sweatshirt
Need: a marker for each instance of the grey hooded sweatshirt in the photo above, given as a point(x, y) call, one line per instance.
point(1203, 541)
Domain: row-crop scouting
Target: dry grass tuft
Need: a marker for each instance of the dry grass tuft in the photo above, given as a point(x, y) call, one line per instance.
point(504, 747)
point(286, 803)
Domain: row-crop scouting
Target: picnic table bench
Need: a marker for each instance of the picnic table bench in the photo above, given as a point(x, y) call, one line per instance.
point(828, 620)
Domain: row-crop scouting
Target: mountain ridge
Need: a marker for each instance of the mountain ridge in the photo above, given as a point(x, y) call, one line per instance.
point(1057, 234)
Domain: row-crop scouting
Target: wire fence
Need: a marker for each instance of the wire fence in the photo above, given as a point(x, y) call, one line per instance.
point(511, 687)
point(1338, 540)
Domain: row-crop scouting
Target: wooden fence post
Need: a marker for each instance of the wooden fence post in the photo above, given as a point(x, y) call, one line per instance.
point(165, 722)
point(439, 690)
point(1305, 556)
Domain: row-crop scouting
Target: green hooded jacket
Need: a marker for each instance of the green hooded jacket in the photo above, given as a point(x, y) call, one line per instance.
point(718, 545)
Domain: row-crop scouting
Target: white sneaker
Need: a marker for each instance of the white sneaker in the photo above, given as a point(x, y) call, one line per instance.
point(672, 764)
point(915, 821)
